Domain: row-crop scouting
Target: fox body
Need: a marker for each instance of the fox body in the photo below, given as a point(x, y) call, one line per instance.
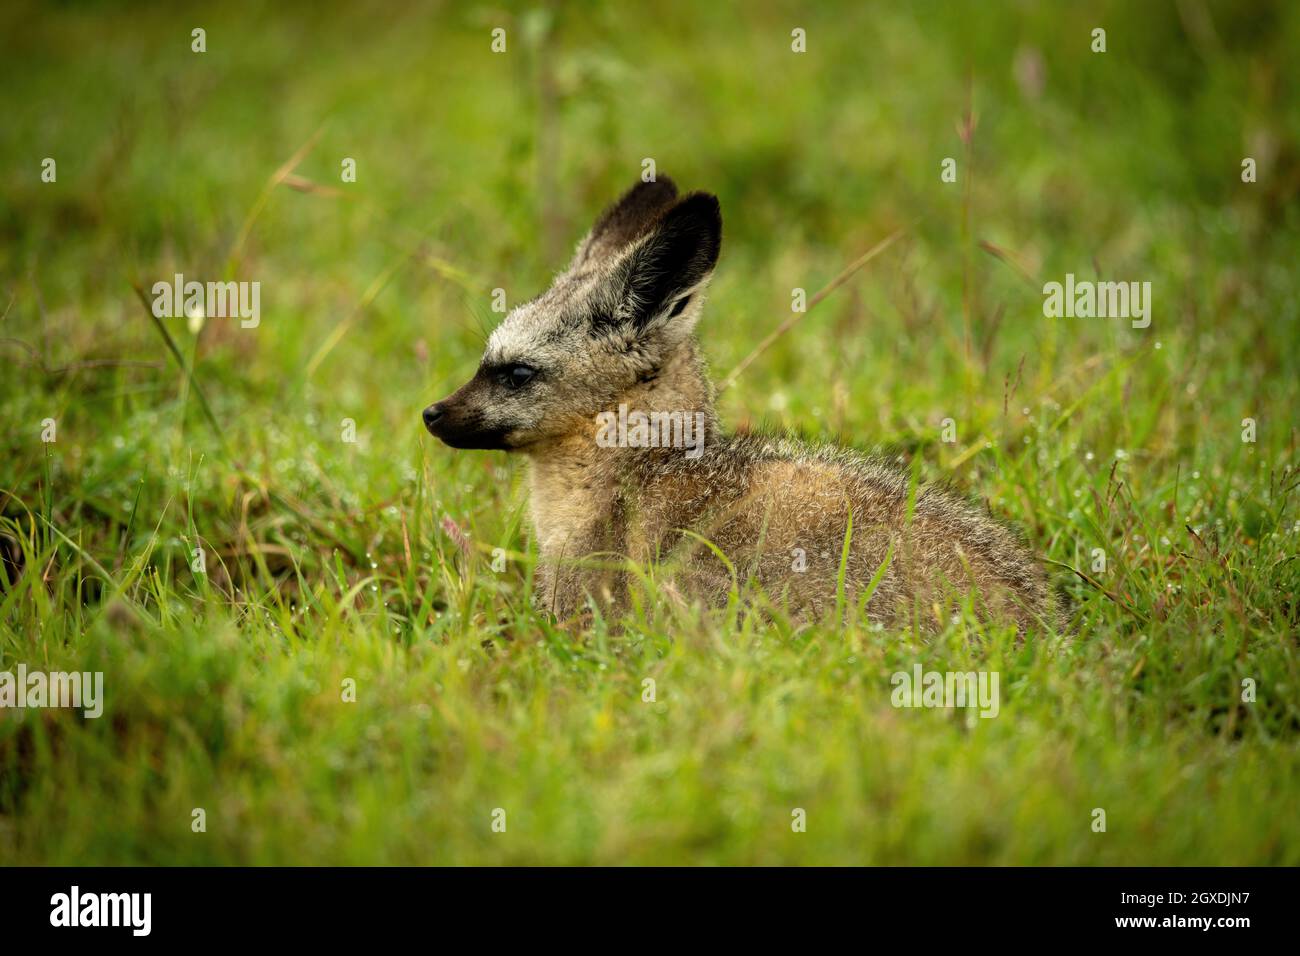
point(666, 487)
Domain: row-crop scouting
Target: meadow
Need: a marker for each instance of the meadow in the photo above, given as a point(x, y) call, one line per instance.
point(314, 620)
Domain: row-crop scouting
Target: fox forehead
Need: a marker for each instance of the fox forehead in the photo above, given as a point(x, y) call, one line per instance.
point(540, 325)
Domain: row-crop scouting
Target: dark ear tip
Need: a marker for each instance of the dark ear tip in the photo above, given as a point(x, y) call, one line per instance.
point(662, 188)
point(701, 205)
point(707, 201)
point(703, 212)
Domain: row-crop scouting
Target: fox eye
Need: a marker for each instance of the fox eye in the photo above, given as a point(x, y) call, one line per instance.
point(516, 376)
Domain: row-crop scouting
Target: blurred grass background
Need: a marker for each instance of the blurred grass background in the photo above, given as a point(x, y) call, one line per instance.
point(371, 561)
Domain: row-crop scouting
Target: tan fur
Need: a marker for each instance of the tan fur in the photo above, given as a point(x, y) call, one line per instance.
point(616, 328)
point(757, 499)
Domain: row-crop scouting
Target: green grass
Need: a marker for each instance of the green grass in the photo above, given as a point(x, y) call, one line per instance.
point(329, 561)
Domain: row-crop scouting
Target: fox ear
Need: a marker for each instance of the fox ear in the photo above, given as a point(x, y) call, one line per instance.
point(666, 269)
point(624, 221)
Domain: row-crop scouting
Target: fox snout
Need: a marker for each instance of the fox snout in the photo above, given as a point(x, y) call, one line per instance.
point(432, 415)
point(457, 430)
point(459, 422)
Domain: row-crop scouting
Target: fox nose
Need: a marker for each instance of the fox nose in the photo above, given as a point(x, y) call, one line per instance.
point(432, 415)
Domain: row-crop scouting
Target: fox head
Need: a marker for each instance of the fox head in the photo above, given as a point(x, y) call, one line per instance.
point(624, 307)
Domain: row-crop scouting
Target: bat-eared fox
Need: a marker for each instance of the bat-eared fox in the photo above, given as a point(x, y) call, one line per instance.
point(600, 383)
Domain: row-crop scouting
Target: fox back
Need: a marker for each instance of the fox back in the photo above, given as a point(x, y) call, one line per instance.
point(599, 382)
